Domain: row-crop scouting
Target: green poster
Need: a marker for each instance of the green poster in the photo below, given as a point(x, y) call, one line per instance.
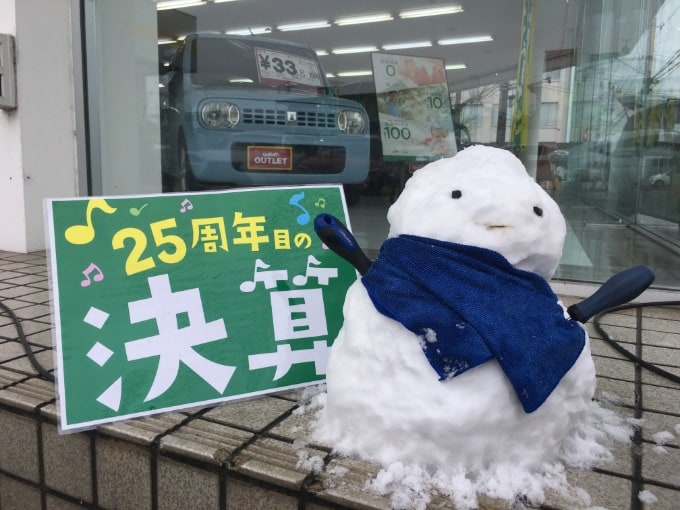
point(172, 301)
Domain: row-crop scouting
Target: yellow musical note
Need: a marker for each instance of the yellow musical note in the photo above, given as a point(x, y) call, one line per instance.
point(83, 234)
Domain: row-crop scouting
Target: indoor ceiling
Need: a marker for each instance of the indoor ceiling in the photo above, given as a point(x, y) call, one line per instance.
point(554, 29)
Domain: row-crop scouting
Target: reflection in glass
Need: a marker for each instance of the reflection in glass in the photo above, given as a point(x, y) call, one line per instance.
point(603, 98)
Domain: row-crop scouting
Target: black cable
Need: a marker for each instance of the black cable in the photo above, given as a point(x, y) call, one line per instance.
point(632, 357)
point(596, 323)
point(29, 352)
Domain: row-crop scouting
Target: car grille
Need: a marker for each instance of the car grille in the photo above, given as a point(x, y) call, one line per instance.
point(316, 119)
point(278, 118)
point(262, 116)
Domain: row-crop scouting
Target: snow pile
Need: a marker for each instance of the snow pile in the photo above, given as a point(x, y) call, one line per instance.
point(647, 497)
point(468, 435)
point(414, 485)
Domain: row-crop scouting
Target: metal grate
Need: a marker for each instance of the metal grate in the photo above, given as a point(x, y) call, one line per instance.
point(279, 118)
point(262, 116)
point(316, 119)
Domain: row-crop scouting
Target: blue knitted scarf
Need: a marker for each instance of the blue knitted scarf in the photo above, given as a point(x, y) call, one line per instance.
point(469, 305)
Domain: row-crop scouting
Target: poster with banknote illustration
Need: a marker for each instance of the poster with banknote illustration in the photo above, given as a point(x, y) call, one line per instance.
point(414, 107)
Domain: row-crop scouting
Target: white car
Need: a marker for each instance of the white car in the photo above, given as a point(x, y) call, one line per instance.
point(662, 179)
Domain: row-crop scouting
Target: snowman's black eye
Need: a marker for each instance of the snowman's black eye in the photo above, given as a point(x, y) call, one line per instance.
point(538, 211)
point(456, 193)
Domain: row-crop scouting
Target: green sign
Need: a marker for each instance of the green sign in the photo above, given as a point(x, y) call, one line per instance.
point(171, 301)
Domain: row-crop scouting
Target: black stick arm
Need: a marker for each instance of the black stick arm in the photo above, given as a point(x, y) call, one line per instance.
point(340, 240)
point(624, 286)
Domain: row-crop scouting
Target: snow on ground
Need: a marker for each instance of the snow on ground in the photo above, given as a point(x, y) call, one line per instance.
point(413, 486)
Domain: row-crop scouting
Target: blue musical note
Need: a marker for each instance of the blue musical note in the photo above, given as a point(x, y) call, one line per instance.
point(303, 218)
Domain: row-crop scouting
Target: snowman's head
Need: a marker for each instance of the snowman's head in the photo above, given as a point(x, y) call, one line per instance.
point(483, 197)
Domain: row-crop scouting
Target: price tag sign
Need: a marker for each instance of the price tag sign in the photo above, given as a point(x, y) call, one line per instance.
point(414, 107)
point(172, 301)
point(279, 68)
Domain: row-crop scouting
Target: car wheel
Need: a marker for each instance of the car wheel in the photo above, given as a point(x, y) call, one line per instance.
point(185, 178)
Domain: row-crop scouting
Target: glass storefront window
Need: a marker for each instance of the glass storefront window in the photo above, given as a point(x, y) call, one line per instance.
point(248, 110)
point(205, 94)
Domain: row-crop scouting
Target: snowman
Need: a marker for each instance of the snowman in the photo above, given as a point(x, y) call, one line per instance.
point(454, 350)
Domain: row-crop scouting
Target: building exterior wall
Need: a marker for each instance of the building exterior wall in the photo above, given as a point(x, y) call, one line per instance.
point(38, 138)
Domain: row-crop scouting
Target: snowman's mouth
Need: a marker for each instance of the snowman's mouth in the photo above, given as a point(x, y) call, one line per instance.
point(495, 227)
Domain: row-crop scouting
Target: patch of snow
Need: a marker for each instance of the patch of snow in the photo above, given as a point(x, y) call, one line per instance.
point(638, 423)
point(337, 471)
point(647, 497)
point(611, 398)
point(430, 335)
point(312, 463)
point(663, 437)
point(298, 444)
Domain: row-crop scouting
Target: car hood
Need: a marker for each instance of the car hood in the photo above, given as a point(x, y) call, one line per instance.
point(283, 94)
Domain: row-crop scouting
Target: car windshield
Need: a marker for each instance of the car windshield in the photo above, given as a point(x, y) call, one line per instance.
point(256, 64)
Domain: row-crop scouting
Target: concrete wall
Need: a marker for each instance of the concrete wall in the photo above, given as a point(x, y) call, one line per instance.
point(37, 140)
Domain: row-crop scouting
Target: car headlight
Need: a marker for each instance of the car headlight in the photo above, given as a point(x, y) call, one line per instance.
point(220, 114)
point(351, 122)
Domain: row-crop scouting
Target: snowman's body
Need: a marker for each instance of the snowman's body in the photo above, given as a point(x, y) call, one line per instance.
point(384, 400)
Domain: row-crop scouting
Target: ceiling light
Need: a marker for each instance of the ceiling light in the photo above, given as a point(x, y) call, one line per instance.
point(434, 11)
point(465, 40)
point(355, 73)
point(370, 18)
point(354, 49)
point(305, 25)
point(222, 1)
point(249, 31)
point(177, 4)
point(452, 67)
point(404, 45)
point(321, 53)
